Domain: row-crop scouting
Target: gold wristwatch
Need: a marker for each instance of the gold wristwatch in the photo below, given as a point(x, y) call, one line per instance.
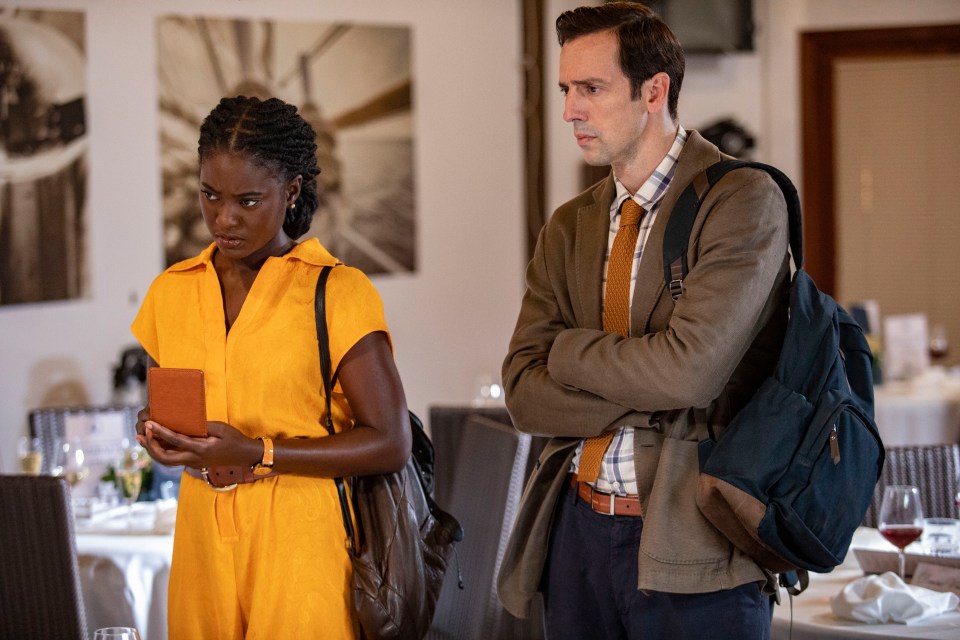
point(265, 465)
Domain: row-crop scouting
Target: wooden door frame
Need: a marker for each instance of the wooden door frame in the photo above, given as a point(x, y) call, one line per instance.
point(819, 51)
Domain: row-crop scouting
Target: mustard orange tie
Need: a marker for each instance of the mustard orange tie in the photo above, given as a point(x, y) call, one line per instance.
point(616, 317)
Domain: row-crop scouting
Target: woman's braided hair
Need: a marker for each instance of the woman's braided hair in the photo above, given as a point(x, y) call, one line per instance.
point(274, 136)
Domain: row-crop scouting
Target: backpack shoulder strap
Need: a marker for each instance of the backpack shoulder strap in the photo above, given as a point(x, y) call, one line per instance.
point(677, 235)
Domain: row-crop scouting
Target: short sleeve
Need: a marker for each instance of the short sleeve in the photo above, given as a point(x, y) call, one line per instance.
point(354, 309)
point(144, 326)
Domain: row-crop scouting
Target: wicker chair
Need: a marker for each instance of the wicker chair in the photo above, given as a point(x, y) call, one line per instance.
point(40, 595)
point(484, 494)
point(933, 469)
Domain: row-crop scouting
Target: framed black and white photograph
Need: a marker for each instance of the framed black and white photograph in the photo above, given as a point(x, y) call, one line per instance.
point(351, 82)
point(43, 156)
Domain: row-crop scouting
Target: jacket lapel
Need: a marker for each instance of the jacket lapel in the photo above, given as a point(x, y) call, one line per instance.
point(593, 227)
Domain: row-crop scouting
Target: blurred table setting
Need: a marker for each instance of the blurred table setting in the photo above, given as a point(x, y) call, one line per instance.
point(864, 597)
point(124, 553)
point(921, 410)
point(124, 511)
point(124, 578)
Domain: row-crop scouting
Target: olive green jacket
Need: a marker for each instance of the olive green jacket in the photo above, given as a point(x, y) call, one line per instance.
point(688, 365)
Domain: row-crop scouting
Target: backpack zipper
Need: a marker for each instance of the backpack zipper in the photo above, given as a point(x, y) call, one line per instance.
point(835, 444)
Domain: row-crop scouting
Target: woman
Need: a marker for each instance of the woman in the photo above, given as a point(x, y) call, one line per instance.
point(267, 558)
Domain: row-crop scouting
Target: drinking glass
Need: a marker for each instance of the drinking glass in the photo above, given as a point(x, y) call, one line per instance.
point(71, 463)
point(941, 535)
point(939, 343)
point(30, 453)
point(116, 633)
point(130, 475)
point(901, 518)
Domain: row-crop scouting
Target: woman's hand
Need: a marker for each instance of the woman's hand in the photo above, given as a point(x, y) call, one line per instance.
point(224, 445)
point(142, 416)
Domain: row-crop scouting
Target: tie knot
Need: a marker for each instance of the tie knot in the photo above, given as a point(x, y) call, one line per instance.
point(630, 212)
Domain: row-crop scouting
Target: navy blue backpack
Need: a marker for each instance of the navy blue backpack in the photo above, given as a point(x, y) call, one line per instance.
point(794, 473)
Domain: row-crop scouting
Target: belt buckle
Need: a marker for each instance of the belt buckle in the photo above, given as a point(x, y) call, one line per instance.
point(612, 503)
point(206, 478)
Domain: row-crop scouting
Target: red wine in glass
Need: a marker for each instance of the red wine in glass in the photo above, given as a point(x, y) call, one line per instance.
point(901, 518)
point(939, 344)
point(901, 535)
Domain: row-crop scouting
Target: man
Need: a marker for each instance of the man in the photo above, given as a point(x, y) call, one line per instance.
point(625, 379)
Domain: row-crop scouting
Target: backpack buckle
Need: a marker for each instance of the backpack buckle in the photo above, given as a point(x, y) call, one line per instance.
point(676, 288)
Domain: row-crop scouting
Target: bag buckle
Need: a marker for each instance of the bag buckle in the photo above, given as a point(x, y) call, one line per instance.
point(206, 478)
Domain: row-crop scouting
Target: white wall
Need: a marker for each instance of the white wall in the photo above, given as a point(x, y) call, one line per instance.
point(450, 320)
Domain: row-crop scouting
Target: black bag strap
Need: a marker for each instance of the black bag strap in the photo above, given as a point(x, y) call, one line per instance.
point(355, 538)
point(679, 226)
point(323, 344)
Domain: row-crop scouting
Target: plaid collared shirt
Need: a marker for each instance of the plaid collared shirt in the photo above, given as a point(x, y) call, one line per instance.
point(617, 473)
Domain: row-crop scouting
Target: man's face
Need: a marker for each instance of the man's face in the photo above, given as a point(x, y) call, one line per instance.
point(607, 122)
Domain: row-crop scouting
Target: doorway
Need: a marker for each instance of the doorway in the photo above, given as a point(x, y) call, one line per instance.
point(881, 151)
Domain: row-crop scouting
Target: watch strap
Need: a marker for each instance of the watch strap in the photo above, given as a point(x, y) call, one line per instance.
point(266, 462)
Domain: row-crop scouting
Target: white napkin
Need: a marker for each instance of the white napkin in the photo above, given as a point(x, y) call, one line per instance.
point(145, 518)
point(887, 598)
point(166, 516)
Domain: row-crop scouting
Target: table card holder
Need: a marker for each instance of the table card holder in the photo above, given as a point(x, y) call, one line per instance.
point(905, 346)
point(874, 560)
point(101, 435)
point(937, 577)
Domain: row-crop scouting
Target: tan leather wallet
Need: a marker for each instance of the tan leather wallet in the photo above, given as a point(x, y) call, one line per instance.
point(177, 399)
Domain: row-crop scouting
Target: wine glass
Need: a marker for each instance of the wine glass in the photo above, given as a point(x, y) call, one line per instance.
point(71, 463)
point(901, 518)
point(30, 453)
point(130, 475)
point(116, 633)
point(939, 343)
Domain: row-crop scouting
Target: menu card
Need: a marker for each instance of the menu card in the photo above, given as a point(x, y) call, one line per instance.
point(905, 346)
point(100, 434)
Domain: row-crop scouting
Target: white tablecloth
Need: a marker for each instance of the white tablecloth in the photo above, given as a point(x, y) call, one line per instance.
point(923, 411)
point(124, 576)
point(813, 619)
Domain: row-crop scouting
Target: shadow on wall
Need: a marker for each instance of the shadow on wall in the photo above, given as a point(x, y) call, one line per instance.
point(56, 382)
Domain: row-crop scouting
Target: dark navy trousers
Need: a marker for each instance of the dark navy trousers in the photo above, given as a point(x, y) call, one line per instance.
point(590, 588)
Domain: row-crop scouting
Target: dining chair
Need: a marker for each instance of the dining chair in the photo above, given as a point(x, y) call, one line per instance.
point(484, 495)
point(933, 469)
point(40, 596)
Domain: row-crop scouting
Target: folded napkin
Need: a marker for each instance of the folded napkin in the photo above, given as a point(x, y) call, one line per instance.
point(887, 598)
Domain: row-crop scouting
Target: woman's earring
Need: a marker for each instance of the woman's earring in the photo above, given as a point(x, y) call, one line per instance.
point(293, 206)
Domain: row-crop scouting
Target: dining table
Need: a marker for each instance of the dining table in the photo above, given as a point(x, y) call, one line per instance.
point(809, 616)
point(124, 555)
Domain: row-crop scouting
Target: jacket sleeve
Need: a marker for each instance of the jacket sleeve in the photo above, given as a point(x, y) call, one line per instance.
point(538, 403)
point(741, 256)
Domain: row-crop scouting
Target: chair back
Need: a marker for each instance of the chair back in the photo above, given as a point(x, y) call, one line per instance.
point(933, 469)
point(50, 426)
point(484, 494)
point(40, 595)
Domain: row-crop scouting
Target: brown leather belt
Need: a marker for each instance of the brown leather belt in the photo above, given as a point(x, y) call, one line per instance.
point(225, 478)
point(606, 503)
